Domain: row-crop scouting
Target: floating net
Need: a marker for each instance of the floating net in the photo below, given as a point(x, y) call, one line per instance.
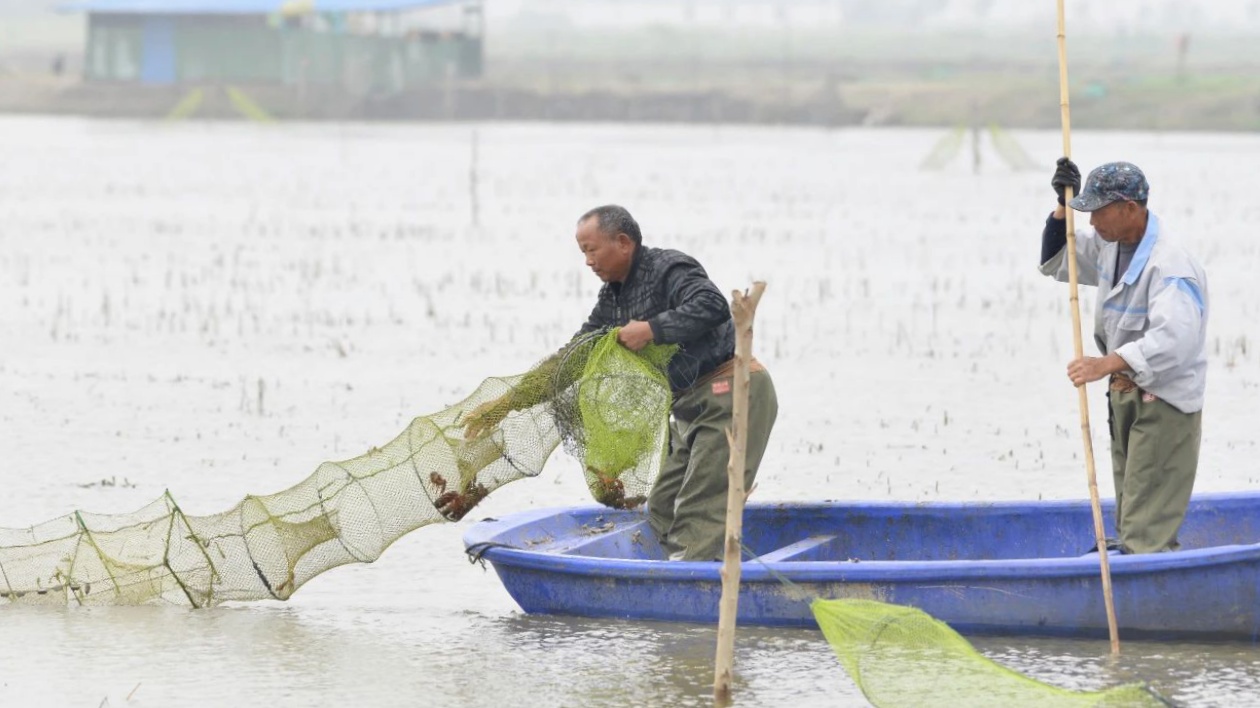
point(1014, 154)
point(607, 405)
point(945, 149)
point(901, 656)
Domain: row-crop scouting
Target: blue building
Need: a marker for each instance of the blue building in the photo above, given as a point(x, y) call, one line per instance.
point(360, 46)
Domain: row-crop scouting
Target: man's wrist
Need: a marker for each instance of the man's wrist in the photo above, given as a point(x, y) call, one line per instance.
point(1114, 363)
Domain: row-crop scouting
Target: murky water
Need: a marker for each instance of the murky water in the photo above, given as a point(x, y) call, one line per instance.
point(215, 309)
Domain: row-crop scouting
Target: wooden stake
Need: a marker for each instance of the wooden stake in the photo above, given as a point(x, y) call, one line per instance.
point(1099, 534)
point(744, 309)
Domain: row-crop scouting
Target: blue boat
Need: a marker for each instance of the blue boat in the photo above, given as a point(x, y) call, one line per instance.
point(1009, 568)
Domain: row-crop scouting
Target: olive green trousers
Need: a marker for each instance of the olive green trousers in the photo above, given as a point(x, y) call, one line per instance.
point(687, 505)
point(1154, 457)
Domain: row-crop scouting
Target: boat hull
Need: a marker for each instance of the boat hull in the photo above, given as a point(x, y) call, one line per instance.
point(970, 567)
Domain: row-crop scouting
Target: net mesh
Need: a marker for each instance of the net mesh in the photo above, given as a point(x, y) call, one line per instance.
point(1010, 150)
point(901, 656)
point(607, 405)
point(945, 149)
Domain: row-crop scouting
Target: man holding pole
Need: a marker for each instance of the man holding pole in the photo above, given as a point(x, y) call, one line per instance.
point(1151, 326)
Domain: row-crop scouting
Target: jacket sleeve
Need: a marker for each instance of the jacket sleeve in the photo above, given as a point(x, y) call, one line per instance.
point(591, 324)
point(696, 306)
point(1053, 237)
point(1054, 262)
point(597, 320)
point(1176, 316)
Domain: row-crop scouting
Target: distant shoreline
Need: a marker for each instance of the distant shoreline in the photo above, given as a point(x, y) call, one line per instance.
point(737, 75)
point(1225, 104)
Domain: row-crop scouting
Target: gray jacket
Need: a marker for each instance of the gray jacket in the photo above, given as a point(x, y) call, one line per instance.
point(1154, 316)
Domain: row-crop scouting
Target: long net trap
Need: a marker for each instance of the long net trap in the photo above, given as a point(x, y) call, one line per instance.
point(608, 406)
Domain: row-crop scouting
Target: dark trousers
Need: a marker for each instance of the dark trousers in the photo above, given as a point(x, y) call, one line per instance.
point(687, 505)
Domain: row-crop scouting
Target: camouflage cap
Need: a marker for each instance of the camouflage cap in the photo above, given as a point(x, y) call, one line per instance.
point(1112, 182)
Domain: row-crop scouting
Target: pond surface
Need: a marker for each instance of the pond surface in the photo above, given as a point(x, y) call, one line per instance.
point(215, 309)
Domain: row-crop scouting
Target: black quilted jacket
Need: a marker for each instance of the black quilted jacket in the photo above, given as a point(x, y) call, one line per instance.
point(671, 291)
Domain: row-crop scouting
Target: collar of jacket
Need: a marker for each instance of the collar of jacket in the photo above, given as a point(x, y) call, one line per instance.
point(1143, 253)
point(634, 268)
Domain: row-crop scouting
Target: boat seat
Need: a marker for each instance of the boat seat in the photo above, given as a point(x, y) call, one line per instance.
point(804, 549)
point(631, 541)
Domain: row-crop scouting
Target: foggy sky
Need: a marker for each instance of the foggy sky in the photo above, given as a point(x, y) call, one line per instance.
point(1161, 16)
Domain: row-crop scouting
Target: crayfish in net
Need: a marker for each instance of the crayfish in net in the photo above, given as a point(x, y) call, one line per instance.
point(454, 505)
point(611, 492)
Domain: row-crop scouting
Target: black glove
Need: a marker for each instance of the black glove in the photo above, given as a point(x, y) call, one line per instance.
point(1066, 175)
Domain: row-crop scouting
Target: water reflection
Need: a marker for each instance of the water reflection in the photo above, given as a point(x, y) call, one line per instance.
point(619, 662)
point(229, 656)
point(1199, 674)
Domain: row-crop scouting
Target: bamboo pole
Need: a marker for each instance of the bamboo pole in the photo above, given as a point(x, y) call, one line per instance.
point(744, 309)
point(1099, 534)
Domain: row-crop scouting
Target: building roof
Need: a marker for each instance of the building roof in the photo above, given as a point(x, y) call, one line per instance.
point(240, 7)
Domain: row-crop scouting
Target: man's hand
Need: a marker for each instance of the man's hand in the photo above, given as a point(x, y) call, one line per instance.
point(1066, 174)
point(1092, 368)
point(635, 335)
point(485, 416)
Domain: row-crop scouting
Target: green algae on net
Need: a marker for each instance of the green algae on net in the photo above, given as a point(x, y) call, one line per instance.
point(902, 656)
point(607, 405)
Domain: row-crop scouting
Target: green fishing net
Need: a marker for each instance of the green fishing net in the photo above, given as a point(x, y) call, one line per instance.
point(612, 422)
point(901, 656)
point(606, 404)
